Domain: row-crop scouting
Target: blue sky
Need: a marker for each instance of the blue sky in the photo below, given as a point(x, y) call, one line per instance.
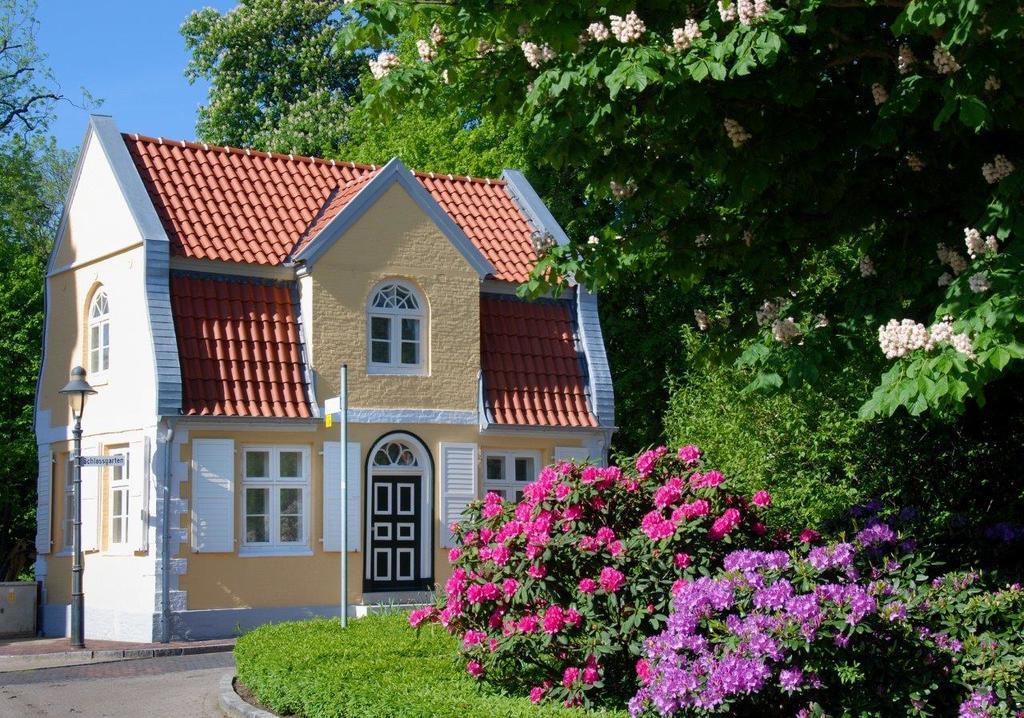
point(130, 55)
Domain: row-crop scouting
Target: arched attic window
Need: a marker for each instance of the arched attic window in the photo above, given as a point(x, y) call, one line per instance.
point(99, 334)
point(397, 328)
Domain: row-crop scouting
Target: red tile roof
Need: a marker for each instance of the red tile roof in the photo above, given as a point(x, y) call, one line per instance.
point(245, 206)
point(531, 369)
point(239, 347)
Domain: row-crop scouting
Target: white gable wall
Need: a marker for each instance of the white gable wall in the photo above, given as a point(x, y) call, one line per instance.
point(100, 244)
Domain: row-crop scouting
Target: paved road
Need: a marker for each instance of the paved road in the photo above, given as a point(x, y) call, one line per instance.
point(159, 687)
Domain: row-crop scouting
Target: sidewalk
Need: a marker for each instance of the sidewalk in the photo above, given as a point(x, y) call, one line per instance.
point(25, 654)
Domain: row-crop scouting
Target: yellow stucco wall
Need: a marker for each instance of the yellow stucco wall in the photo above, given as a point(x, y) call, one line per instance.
point(396, 239)
point(226, 580)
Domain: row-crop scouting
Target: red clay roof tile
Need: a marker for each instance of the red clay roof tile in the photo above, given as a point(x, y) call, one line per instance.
point(239, 348)
point(204, 194)
point(531, 369)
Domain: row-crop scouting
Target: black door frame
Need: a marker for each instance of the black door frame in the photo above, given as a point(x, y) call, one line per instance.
point(424, 524)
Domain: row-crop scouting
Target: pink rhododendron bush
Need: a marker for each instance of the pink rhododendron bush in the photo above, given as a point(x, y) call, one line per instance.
point(557, 594)
point(850, 628)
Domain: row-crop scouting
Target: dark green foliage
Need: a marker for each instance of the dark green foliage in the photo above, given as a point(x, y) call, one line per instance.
point(378, 667)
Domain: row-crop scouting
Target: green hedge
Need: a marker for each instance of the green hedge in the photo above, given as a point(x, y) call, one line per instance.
point(378, 667)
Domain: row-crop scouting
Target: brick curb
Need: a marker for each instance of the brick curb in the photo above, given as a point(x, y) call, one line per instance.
point(73, 658)
point(233, 705)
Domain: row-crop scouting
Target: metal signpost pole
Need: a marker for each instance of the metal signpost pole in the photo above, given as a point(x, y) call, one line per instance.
point(344, 495)
point(77, 595)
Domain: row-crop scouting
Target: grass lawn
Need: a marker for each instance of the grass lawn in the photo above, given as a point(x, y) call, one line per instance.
point(378, 667)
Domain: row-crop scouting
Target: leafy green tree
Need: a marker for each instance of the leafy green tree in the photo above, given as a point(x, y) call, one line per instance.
point(34, 176)
point(274, 80)
point(744, 140)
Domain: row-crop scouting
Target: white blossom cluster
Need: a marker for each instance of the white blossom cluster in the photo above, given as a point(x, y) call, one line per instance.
point(598, 31)
point(998, 169)
point(426, 50)
point(750, 10)
point(702, 320)
point(622, 191)
point(785, 330)
point(949, 257)
point(944, 61)
point(748, 237)
point(727, 10)
point(702, 240)
point(683, 37)
point(905, 59)
point(915, 163)
point(383, 64)
point(536, 55)
point(627, 29)
point(879, 93)
point(945, 279)
point(737, 135)
point(899, 338)
point(768, 311)
point(592, 239)
point(976, 246)
point(992, 83)
point(867, 267)
point(978, 282)
point(436, 35)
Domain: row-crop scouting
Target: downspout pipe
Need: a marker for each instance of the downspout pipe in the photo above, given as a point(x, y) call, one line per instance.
point(165, 528)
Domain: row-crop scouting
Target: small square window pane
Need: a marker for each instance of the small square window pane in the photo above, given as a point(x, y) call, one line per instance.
point(380, 352)
point(257, 529)
point(380, 328)
point(291, 529)
point(519, 496)
point(410, 352)
point(118, 509)
point(256, 501)
point(411, 329)
point(106, 359)
point(291, 501)
point(291, 465)
point(524, 469)
point(117, 532)
point(257, 464)
point(495, 468)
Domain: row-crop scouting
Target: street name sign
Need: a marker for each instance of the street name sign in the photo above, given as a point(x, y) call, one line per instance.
point(112, 460)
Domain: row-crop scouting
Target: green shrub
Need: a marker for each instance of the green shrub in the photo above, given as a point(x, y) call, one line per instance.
point(808, 447)
point(377, 667)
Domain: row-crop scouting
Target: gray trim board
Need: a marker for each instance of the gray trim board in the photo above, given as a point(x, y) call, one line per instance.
point(412, 416)
point(205, 624)
point(532, 206)
point(394, 171)
point(157, 252)
point(600, 375)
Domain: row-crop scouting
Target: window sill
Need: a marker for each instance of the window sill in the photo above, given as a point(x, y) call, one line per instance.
point(395, 371)
point(254, 551)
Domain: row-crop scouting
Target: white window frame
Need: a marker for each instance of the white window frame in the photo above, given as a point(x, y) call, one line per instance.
point(508, 485)
point(273, 484)
point(395, 341)
point(118, 486)
point(101, 323)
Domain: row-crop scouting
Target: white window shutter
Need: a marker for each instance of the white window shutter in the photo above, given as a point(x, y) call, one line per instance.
point(578, 454)
point(90, 501)
point(332, 496)
point(213, 495)
point(44, 487)
point(458, 485)
point(355, 504)
point(138, 493)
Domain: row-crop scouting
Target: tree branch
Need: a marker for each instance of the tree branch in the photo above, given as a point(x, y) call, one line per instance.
point(20, 111)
